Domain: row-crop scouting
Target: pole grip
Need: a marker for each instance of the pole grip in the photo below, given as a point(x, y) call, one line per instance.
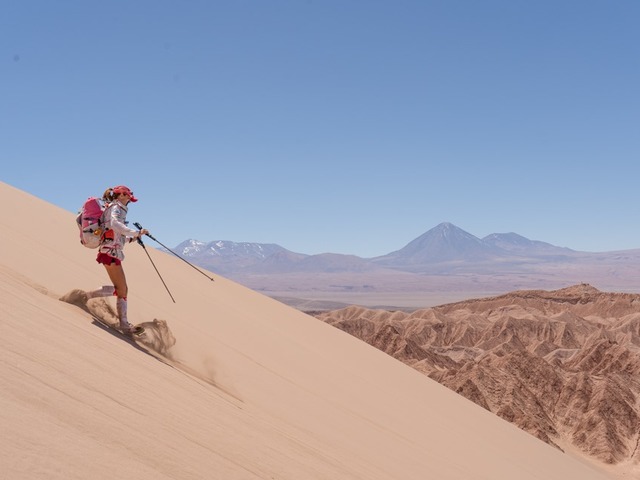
point(139, 240)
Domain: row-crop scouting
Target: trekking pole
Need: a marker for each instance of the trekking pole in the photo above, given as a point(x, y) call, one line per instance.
point(139, 240)
point(139, 227)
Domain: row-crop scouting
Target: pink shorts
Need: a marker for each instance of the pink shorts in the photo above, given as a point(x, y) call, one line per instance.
point(105, 259)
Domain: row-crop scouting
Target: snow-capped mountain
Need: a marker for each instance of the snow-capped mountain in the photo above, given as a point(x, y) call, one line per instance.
point(225, 256)
point(225, 248)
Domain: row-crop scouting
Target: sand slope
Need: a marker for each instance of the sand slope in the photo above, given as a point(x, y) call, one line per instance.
point(270, 393)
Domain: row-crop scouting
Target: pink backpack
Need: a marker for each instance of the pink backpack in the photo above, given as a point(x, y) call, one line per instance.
point(89, 222)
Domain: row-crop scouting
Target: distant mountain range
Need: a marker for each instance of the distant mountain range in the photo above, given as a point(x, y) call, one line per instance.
point(444, 264)
point(444, 248)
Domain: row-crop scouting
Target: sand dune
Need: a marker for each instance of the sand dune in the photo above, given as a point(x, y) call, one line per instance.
point(252, 389)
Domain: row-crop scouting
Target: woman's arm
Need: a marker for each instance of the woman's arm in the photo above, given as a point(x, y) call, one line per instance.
point(116, 222)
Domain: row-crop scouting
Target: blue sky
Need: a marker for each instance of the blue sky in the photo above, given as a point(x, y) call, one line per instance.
point(345, 126)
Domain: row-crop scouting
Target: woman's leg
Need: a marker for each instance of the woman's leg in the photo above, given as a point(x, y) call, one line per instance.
point(116, 274)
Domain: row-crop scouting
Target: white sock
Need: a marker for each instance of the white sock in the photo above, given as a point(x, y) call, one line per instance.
point(121, 309)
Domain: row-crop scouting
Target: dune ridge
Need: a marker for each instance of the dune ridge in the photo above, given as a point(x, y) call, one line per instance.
point(257, 390)
point(563, 365)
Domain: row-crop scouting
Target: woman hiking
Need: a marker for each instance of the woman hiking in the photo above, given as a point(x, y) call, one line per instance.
point(110, 252)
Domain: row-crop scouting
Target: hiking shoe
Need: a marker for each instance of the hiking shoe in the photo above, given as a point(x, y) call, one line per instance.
point(130, 329)
point(127, 328)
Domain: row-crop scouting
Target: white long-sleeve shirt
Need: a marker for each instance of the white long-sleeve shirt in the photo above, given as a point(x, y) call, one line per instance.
point(117, 233)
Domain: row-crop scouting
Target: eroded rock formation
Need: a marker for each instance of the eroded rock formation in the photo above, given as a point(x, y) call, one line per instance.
point(563, 365)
